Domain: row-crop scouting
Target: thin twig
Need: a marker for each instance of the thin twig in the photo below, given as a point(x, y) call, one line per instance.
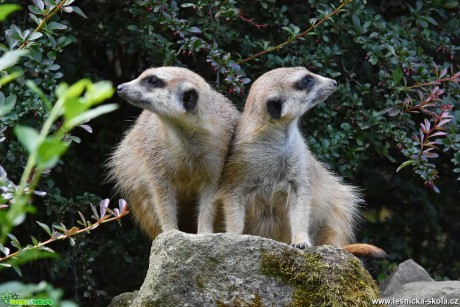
point(44, 21)
point(297, 36)
point(251, 21)
point(65, 236)
point(435, 82)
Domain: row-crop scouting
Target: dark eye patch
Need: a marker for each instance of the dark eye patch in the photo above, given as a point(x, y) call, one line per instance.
point(190, 100)
point(305, 83)
point(153, 81)
point(274, 108)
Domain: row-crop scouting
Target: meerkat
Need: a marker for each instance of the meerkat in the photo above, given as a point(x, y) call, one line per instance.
point(169, 163)
point(272, 186)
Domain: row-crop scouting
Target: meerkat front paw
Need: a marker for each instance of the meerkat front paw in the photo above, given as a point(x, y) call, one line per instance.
point(301, 245)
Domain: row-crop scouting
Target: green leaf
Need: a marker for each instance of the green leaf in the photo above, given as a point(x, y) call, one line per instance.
point(83, 219)
point(356, 21)
point(408, 162)
point(56, 26)
point(98, 92)
point(14, 241)
point(34, 88)
point(78, 11)
point(194, 30)
point(8, 78)
point(27, 136)
point(10, 58)
point(35, 53)
point(7, 9)
point(39, 4)
point(34, 240)
point(49, 152)
point(187, 4)
point(397, 75)
point(34, 36)
point(17, 269)
point(74, 91)
point(82, 118)
point(451, 4)
point(35, 10)
point(74, 107)
point(7, 105)
point(35, 18)
point(45, 228)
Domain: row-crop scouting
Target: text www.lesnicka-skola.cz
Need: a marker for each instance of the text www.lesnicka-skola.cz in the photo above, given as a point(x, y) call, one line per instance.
point(416, 301)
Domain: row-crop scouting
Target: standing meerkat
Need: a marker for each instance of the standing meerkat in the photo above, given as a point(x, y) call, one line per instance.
point(272, 186)
point(169, 163)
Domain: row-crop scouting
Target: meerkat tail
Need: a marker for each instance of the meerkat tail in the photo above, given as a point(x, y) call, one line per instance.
point(366, 251)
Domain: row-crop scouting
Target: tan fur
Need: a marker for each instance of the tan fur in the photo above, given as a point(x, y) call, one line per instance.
point(169, 163)
point(272, 186)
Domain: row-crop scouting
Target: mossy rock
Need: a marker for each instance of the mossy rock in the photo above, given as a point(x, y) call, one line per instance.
point(230, 270)
point(322, 276)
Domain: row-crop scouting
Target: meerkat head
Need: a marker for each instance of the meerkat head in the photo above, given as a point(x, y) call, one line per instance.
point(170, 92)
point(287, 93)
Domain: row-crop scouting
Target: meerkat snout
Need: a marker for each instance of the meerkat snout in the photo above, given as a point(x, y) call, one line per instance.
point(314, 89)
point(125, 91)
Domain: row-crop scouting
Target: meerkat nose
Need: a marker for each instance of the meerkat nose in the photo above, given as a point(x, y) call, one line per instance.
point(334, 82)
point(119, 88)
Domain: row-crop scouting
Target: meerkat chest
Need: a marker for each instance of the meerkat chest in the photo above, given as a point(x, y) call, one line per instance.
point(275, 163)
point(275, 171)
point(193, 168)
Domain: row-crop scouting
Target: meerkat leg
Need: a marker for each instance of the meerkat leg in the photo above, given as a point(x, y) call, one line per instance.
point(144, 214)
point(235, 214)
point(206, 211)
point(166, 207)
point(299, 214)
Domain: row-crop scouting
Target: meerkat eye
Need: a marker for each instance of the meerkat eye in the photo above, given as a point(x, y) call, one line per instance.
point(154, 81)
point(305, 83)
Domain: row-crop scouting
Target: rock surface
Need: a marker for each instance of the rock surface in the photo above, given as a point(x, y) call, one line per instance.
point(432, 293)
point(406, 272)
point(411, 285)
point(230, 270)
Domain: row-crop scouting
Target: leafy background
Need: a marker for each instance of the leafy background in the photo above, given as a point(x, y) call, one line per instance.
point(363, 132)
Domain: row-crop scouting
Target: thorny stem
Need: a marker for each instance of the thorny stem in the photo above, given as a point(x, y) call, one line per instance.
point(251, 21)
point(435, 82)
point(65, 236)
point(45, 20)
point(297, 36)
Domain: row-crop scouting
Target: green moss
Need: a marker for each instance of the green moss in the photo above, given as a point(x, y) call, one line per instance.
point(321, 283)
point(257, 302)
point(199, 282)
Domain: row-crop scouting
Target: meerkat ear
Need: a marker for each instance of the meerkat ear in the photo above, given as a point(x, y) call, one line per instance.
point(190, 100)
point(274, 108)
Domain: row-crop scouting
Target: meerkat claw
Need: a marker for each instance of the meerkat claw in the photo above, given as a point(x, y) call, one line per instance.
point(301, 245)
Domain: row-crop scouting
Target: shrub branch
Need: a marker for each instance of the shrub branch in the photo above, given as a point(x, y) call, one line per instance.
point(45, 20)
point(297, 36)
